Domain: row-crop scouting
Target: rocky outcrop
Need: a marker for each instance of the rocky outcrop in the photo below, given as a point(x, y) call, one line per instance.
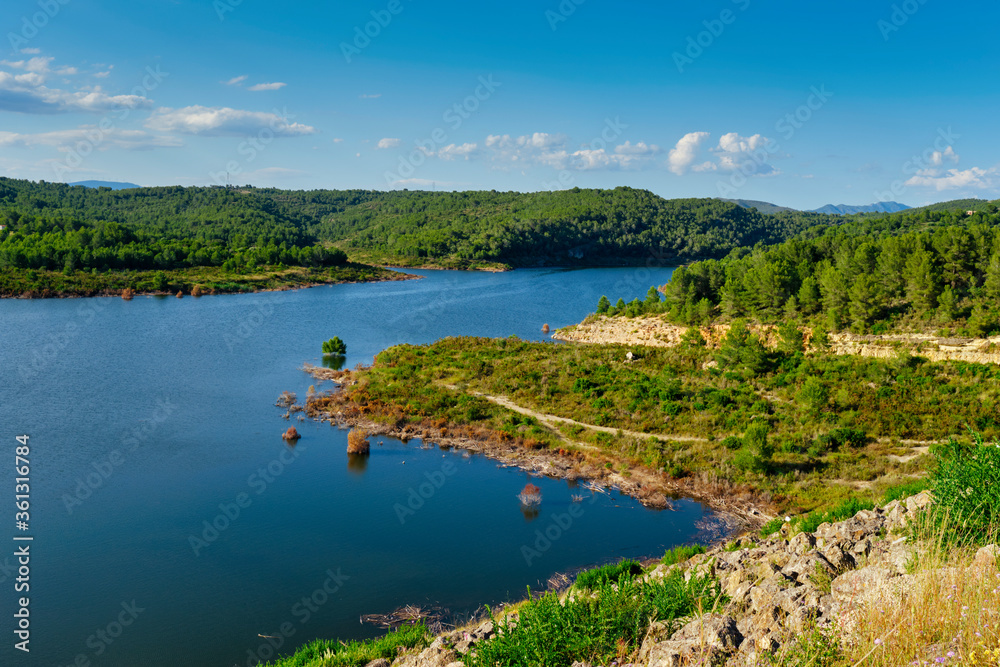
point(291, 434)
point(777, 588)
point(652, 331)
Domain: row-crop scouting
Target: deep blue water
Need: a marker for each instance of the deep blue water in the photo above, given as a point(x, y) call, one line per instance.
point(149, 418)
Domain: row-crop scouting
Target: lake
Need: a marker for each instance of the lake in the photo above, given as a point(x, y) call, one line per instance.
point(171, 523)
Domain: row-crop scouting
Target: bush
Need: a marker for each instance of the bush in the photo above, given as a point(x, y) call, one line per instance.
point(335, 347)
point(905, 490)
point(845, 510)
point(772, 526)
point(966, 487)
point(609, 625)
point(681, 553)
point(334, 653)
point(612, 573)
point(357, 442)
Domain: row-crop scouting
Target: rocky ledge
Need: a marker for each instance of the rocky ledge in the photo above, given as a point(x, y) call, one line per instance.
point(777, 588)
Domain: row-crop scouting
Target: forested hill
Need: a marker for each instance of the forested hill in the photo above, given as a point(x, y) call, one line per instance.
point(589, 227)
point(572, 227)
point(63, 227)
point(59, 227)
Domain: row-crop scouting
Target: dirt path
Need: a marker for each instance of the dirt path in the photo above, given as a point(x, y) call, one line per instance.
point(551, 420)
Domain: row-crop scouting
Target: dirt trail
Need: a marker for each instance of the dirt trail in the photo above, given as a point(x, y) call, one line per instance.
point(551, 420)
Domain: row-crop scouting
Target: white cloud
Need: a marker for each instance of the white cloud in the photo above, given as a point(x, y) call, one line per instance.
point(388, 142)
point(685, 152)
point(453, 151)
point(338, 140)
point(548, 149)
point(704, 166)
point(30, 51)
point(747, 154)
point(257, 87)
point(23, 90)
point(938, 158)
point(27, 93)
point(639, 148)
point(235, 81)
point(223, 122)
point(64, 140)
point(372, 96)
point(953, 179)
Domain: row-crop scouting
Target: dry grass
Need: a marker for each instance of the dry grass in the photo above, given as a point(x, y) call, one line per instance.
point(357, 442)
point(947, 613)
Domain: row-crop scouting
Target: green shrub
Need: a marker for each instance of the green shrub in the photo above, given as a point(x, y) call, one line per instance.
point(334, 653)
point(772, 526)
point(335, 347)
point(608, 625)
point(905, 490)
point(845, 510)
point(681, 553)
point(966, 487)
point(611, 573)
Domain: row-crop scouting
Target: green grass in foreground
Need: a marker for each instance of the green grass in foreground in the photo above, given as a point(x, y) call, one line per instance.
point(606, 574)
point(334, 653)
point(606, 625)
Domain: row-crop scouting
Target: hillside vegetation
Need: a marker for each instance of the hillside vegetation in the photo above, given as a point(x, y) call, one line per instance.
point(58, 227)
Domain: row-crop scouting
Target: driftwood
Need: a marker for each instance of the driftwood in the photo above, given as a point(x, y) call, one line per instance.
point(433, 616)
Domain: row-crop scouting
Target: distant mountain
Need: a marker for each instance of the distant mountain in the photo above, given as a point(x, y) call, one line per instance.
point(114, 185)
point(762, 206)
point(878, 207)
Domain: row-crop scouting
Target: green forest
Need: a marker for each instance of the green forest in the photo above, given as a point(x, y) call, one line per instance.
point(56, 227)
point(903, 272)
point(858, 270)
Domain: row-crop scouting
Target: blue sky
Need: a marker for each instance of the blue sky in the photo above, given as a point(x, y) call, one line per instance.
point(799, 104)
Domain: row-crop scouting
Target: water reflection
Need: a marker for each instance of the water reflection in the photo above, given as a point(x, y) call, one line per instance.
point(334, 362)
point(530, 512)
point(357, 463)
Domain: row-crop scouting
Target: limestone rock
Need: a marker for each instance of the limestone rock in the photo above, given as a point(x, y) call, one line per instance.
point(434, 656)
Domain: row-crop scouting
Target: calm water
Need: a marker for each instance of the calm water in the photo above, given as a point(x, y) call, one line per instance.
point(151, 420)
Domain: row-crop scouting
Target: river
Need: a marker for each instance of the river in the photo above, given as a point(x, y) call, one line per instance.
point(171, 523)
